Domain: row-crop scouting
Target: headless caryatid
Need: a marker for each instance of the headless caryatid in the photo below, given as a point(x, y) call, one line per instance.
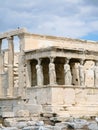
point(52, 73)
point(67, 72)
point(81, 73)
point(96, 74)
point(39, 73)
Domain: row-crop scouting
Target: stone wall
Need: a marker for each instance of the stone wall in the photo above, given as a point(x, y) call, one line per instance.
point(48, 90)
point(64, 100)
point(16, 73)
point(71, 100)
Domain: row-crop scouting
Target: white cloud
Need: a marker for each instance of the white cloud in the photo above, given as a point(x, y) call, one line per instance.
point(64, 27)
point(72, 18)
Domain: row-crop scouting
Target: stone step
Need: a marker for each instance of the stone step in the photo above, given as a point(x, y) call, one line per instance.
point(83, 110)
point(90, 110)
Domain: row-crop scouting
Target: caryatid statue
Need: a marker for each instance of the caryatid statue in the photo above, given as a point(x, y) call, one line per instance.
point(96, 74)
point(39, 71)
point(52, 73)
point(67, 73)
point(81, 73)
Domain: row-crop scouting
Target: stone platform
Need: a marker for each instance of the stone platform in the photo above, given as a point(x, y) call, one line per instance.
point(74, 101)
point(49, 75)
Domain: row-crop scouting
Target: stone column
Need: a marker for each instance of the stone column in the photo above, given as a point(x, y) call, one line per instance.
point(28, 74)
point(39, 71)
point(96, 74)
point(1, 59)
point(81, 73)
point(10, 67)
point(1, 69)
point(67, 73)
point(52, 73)
point(22, 68)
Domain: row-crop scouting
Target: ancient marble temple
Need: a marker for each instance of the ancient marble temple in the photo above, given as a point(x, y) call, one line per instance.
point(49, 75)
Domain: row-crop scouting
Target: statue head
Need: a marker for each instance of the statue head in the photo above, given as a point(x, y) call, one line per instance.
point(81, 62)
point(51, 59)
point(66, 60)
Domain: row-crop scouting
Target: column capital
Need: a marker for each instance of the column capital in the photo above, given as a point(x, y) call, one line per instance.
point(96, 62)
point(9, 38)
point(39, 61)
point(82, 61)
point(51, 59)
point(67, 60)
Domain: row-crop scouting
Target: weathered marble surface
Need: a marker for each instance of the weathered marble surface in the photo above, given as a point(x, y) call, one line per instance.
point(68, 124)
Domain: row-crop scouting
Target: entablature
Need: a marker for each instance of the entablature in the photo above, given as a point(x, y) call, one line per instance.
point(13, 33)
point(61, 52)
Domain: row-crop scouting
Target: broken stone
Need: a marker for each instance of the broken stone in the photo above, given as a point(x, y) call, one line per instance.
point(39, 123)
point(21, 125)
point(10, 122)
point(7, 114)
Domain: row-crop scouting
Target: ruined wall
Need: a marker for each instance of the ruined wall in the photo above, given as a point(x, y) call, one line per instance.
point(55, 98)
point(16, 57)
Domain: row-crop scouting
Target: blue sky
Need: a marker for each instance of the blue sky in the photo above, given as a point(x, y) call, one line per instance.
point(67, 18)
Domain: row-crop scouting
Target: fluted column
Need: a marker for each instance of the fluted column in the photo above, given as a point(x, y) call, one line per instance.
point(96, 74)
point(1, 69)
point(67, 73)
point(39, 71)
point(22, 68)
point(1, 59)
point(10, 66)
point(81, 73)
point(52, 73)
